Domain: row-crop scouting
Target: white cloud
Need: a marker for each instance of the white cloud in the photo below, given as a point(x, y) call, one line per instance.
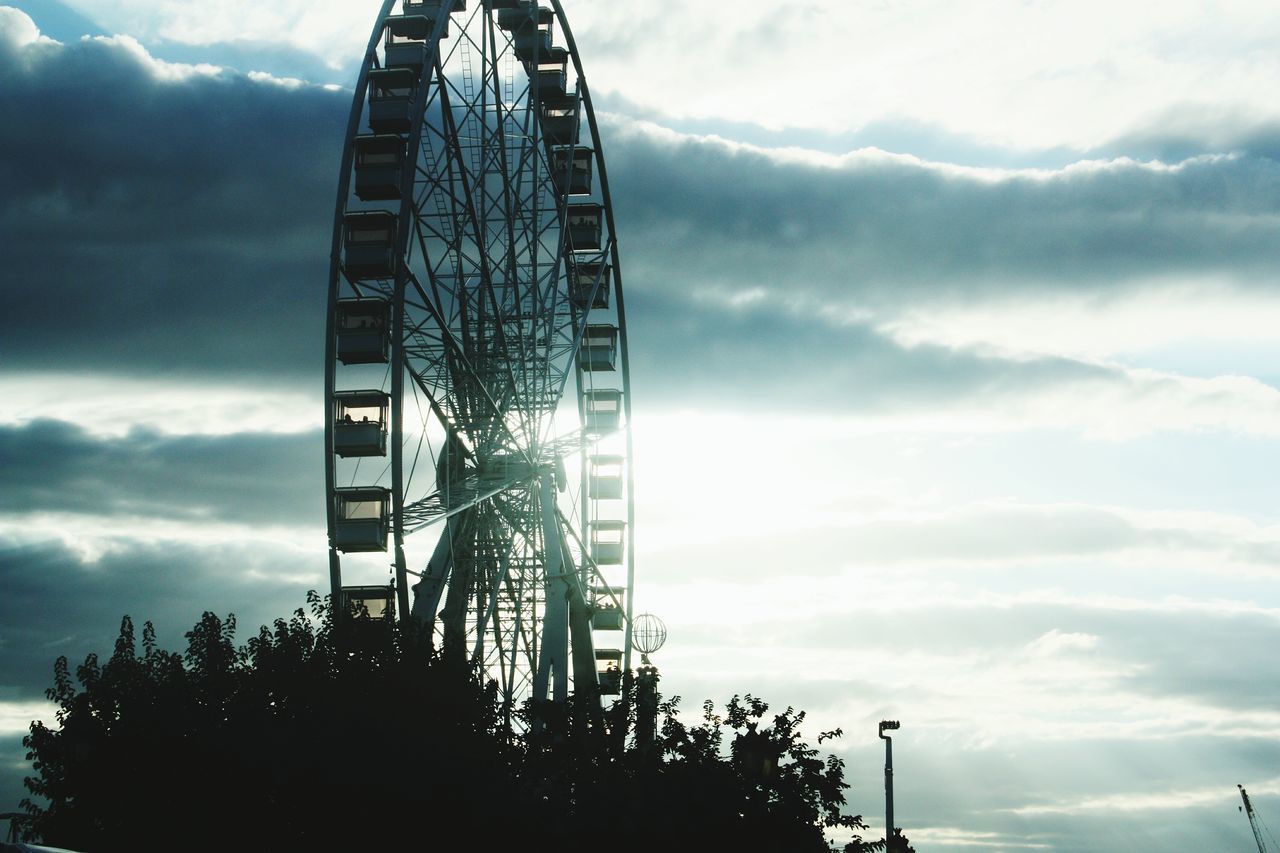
point(282, 82)
point(327, 27)
point(1033, 75)
point(1057, 642)
point(1212, 320)
point(92, 538)
point(1025, 74)
point(870, 157)
point(951, 836)
point(17, 28)
point(16, 717)
point(167, 72)
point(113, 405)
point(1139, 402)
point(1220, 795)
point(974, 699)
point(893, 490)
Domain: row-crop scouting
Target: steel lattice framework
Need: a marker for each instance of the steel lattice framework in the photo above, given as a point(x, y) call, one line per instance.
point(478, 423)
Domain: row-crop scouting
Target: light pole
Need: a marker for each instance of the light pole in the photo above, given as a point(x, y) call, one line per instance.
point(890, 845)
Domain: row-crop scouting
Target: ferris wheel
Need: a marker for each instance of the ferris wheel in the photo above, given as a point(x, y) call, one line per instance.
point(478, 428)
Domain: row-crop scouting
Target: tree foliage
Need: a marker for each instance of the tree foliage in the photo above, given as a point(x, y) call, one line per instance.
point(305, 736)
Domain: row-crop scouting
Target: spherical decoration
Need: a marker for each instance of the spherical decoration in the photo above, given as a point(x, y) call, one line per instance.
point(648, 633)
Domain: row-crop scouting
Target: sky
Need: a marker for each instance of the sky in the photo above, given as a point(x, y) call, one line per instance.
point(954, 372)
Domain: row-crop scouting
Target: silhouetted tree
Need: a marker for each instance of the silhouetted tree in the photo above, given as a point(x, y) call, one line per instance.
point(901, 844)
point(306, 736)
point(294, 739)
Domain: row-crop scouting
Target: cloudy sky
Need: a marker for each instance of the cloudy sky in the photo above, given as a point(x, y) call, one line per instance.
point(955, 371)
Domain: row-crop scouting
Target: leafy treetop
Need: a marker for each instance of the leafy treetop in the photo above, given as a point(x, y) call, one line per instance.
point(310, 736)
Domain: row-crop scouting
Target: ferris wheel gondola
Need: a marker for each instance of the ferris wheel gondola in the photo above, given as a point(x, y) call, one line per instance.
point(478, 406)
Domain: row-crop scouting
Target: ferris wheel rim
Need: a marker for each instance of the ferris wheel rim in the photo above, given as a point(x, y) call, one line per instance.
point(409, 212)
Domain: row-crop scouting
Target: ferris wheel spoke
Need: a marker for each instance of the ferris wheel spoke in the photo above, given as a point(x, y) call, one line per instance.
point(486, 577)
point(437, 410)
point(500, 569)
point(519, 645)
point(475, 224)
point(535, 528)
point(459, 497)
point(513, 210)
point(464, 373)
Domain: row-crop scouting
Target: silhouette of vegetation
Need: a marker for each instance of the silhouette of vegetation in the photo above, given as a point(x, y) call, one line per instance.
point(306, 736)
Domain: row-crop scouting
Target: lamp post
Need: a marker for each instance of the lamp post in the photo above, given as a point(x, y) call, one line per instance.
point(890, 844)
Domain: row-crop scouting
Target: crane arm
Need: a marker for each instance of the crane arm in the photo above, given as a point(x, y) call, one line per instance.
point(1253, 820)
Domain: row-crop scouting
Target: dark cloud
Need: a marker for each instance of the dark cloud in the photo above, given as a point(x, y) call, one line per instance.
point(13, 760)
point(804, 362)
point(887, 230)
point(182, 226)
point(254, 478)
point(926, 140)
point(61, 22)
point(57, 603)
point(1188, 131)
point(277, 58)
point(161, 224)
point(1224, 660)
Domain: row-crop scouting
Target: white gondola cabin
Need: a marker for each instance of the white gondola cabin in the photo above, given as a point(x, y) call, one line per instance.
point(560, 119)
point(369, 603)
point(609, 669)
point(531, 45)
point(552, 77)
point(362, 326)
point(607, 617)
point(360, 423)
point(602, 410)
point(584, 225)
point(525, 15)
point(379, 164)
point(405, 42)
point(431, 8)
point(599, 350)
point(608, 540)
point(370, 242)
point(571, 170)
point(604, 477)
point(391, 92)
point(589, 282)
point(363, 518)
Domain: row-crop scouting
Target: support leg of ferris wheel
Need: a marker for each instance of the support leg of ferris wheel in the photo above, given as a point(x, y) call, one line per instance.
point(567, 614)
point(427, 591)
point(553, 660)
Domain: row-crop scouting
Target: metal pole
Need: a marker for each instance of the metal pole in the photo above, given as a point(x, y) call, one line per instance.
point(890, 844)
point(888, 791)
